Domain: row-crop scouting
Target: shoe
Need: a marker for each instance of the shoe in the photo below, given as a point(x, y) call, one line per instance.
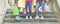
point(26, 17)
point(17, 18)
point(37, 17)
point(30, 17)
point(42, 17)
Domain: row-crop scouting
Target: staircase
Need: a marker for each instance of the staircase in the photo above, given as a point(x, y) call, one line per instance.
point(49, 18)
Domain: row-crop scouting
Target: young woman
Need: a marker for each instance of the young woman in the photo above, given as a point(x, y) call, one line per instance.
point(39, 4)
point(29, 6)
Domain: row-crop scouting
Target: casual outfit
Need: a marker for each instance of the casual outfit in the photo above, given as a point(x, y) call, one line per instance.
point(40, 3)
point(28, 6)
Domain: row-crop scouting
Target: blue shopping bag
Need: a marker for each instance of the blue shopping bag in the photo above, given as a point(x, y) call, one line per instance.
point(46, 7)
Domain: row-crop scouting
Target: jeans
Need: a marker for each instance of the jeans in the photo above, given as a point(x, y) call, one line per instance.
point(28, 6)
point(37, 7)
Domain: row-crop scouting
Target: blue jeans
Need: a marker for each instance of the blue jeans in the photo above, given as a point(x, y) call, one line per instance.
point(28, 6)
point(37, 7)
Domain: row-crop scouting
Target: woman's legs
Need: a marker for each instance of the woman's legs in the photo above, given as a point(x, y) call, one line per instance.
point(30, 7)
point(27, 5)
point(36, 10)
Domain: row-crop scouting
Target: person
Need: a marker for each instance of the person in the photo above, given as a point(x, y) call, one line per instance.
point(16, 12)
point(29, 6)
point(40, 3)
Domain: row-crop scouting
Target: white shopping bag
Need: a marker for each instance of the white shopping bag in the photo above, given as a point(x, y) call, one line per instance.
point(46, 7)
point(21, 9)
point(40, 9)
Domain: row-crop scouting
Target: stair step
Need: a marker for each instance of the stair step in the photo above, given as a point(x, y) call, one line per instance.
point(31, 20)
point(45, 15)
point(33, 23)
point(32, 16)
point(11, 11)
point(28, 12)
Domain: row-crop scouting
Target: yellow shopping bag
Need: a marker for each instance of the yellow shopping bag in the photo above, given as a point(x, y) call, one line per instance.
point(33, 10)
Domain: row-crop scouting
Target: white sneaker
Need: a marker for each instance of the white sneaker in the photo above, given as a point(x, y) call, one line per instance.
point(30, 17)
point(42, 17)
point(26, 17)
point(37, 17)
point(17, 18)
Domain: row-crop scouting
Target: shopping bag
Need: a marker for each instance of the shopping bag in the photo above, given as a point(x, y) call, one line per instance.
point(21, 3)
point(24, 11)
point(43, 10)
point(47, 8)
point(33, 10)
point(40, 9)
point(15, 10)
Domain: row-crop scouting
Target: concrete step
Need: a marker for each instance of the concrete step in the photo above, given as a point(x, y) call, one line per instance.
point(11, 11)
point(33, 23)
point(31, 20)
point(22, 15)
point(28, 12)
point(32, 16)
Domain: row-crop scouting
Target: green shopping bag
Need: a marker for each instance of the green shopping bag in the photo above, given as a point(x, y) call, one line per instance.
point(15, 10)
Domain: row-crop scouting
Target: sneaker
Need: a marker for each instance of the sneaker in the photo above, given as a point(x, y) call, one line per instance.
point(26, 17)
point(42, 17)
point(30, 17)
point(37, 17)
point(17, 18)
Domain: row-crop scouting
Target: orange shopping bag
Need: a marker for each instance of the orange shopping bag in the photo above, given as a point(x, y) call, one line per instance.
point(33, 10)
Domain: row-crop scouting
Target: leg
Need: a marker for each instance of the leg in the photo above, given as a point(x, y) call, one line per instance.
point(26, 10)
point(36, 10)
point(42, 15)
point(30, 7)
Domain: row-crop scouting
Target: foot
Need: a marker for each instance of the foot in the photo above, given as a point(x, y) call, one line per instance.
point(30, 17)
point(37, 17)
point(17, 18)
point(26, 17)
point(42, 17)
